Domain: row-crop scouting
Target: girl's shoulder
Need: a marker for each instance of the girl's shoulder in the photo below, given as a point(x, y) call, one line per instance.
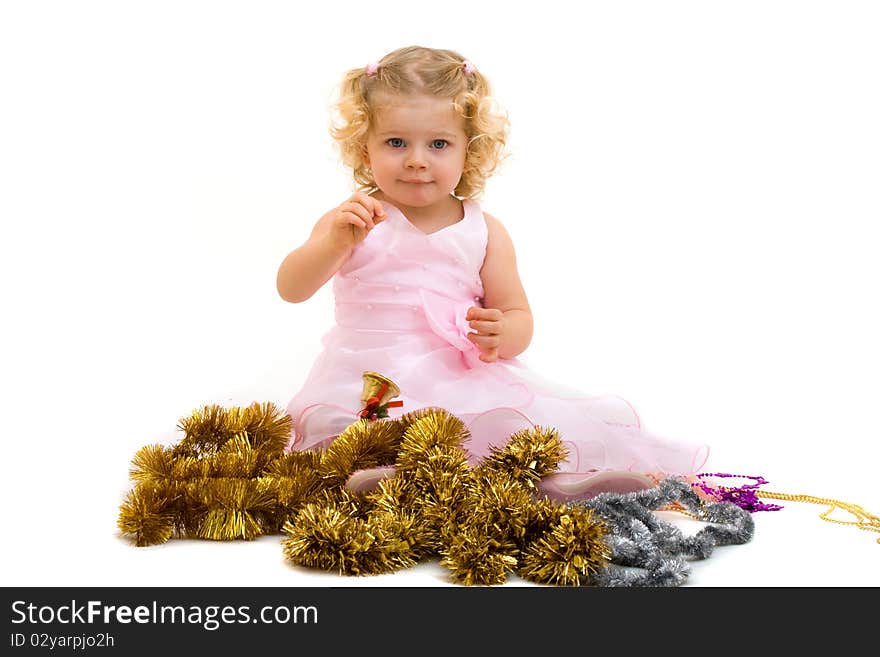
point(497, 235)
point(493, 223)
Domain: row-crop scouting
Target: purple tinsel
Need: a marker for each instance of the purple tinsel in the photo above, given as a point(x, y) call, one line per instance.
point(744, 496)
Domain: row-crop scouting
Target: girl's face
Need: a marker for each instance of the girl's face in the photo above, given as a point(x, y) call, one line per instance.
point(416, 149)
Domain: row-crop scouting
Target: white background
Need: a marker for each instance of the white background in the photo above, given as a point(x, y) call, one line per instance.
point(692, 190)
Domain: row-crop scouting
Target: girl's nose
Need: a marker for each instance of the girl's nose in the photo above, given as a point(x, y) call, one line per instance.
point(416, 159)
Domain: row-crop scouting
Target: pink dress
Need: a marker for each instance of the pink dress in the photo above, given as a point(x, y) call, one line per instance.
point(401, 300)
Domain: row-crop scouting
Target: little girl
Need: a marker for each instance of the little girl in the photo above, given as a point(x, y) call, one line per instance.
point(426, 285)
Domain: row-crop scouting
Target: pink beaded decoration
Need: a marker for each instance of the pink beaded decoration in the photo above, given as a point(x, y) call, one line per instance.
point(744, 496)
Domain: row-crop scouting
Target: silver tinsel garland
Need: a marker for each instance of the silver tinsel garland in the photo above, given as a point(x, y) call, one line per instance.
point(646, 551)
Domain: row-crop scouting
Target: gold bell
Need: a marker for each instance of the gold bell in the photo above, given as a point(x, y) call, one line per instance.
point(378, 389)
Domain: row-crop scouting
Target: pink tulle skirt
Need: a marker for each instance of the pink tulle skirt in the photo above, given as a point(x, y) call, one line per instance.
point(603, 434)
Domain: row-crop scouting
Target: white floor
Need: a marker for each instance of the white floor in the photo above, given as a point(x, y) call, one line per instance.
point(62, 513)
point(791, 548)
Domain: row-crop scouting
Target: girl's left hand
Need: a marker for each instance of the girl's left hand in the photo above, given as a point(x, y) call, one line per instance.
point(489, 326)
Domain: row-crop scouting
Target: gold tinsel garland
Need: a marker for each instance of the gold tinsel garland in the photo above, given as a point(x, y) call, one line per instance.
point(228, 478)
point(231, 478)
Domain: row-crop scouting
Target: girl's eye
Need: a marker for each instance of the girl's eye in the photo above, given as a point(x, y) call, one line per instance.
point(439, 144)
point(395, 142)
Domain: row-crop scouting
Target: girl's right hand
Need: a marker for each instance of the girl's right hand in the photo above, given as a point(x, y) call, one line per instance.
point(350, 222)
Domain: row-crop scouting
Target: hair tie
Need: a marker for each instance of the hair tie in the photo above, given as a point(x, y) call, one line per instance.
point(372, 68)
point(469, 68)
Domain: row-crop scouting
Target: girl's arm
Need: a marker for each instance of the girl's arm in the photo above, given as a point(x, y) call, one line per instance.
point(307, 268)
point(504, 325)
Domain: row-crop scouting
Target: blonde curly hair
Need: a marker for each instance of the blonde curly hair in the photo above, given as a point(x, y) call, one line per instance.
point(419, 70)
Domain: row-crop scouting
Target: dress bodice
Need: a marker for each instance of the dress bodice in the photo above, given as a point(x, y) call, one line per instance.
point(397, 260)
point(400, 278)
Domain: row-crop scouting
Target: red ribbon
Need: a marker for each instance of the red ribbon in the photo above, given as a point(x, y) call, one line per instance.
point(372, 407)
